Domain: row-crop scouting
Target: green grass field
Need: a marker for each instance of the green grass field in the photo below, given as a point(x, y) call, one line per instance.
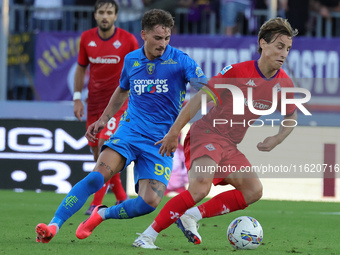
point(289, 228)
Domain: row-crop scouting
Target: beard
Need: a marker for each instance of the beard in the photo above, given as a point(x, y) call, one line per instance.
point(105, 28)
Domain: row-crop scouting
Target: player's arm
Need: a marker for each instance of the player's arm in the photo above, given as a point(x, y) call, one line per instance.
point(272, 141)
point(117, 100)
point(78, 107)
point(170, 140)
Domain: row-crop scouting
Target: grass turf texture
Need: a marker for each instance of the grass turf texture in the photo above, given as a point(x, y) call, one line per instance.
point(289, 228)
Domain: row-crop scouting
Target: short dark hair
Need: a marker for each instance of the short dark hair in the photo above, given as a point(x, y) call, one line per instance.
point(100, 3)
point(275, 26)
point(157, 17)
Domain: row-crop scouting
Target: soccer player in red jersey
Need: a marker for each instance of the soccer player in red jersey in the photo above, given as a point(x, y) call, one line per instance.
point(209, 144)
point(104, 49)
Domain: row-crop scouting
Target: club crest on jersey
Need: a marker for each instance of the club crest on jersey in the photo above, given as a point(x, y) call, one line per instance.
point(150, 67)
point(117, 44)
point(199, 72)
point(278, 87)
point(210, 147)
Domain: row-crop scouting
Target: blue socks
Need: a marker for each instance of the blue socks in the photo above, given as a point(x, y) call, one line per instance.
point(129, 209)
point(77, 197)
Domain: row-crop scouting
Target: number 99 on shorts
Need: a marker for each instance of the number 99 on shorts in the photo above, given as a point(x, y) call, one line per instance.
point(161, 170)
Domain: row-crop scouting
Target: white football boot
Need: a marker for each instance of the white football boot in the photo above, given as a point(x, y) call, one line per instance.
point(189, 228)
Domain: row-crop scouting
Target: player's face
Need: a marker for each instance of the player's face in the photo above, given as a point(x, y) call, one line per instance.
point(155, 41)
point(276, 52)
point(105, 17)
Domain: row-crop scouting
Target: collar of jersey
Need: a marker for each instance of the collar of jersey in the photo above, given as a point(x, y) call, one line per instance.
point(261, 74)
point(162, 58)
point(114, 32)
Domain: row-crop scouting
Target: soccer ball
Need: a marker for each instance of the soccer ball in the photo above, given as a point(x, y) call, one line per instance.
point(245, 233)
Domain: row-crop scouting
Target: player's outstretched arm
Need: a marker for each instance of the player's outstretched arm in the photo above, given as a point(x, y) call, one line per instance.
point(272, 141)
point(170, 140)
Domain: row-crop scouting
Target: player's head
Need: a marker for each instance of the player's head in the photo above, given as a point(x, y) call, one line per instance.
point(275, 40)
point(156, 32)
point(105, 13)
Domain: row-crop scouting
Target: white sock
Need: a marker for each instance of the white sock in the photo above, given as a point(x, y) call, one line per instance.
point(195, 213)
point(101, 212)
point(151, 232)
point(55, 224)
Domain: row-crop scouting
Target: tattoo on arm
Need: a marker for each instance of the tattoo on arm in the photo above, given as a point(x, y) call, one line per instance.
point(158, 187)
point(108, 116)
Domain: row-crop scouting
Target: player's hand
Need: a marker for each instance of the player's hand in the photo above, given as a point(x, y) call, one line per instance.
point(268, 144)
point(78, 109)
point(93, 130)
point(169, 144)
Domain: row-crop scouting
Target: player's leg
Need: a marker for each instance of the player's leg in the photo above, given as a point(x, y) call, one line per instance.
point(109, 163)
point(118, 189)
point(149, 196)
point(152, 174)
point(99, 195)
point(150, 191)
point(151, 180)
point(199, 186)
point(248, 189)
point(95, 149)
point(115, 182)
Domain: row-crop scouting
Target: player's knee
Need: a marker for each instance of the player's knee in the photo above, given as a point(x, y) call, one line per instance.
point(254, 192)
point(257, 194)
point(199, 190)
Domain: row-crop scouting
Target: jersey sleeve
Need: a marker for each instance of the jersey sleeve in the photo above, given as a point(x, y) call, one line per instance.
point(193, 73)
point(124, 81)
point(290, 108)
point(83, 59)
point(225, 76)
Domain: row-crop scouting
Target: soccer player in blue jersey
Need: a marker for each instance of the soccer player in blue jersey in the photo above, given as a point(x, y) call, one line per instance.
point(154, 78)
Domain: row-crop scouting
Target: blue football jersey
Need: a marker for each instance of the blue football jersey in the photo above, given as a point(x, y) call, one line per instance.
point(157, 89)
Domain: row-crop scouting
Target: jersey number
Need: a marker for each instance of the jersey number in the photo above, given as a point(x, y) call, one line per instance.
point(160, 170)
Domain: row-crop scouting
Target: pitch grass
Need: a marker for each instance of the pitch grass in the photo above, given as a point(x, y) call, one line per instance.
point(289, 228)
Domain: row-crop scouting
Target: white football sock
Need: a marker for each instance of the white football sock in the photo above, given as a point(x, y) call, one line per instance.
point(195, 213)
point(151, 232)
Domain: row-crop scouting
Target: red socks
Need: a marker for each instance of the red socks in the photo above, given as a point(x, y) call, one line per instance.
point(99, 195)
point(223, 203)
point(117, 188)
point(172, 210)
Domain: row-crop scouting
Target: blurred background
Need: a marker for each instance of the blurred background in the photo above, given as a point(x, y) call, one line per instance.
point(40, 139)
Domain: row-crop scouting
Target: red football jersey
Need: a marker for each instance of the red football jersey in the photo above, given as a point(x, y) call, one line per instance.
point(106, 58)
point(221, 118)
